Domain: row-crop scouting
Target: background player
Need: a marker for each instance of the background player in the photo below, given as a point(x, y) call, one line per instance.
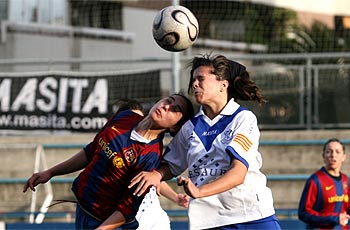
point(324, 202)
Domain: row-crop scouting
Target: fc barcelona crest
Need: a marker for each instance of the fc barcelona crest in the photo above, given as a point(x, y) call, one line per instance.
point(130, 156)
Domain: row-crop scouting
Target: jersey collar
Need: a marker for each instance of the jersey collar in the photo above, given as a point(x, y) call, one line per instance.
point(229, 108)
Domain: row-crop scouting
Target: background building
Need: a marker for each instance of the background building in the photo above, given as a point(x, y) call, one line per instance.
point(301, 46)
point(63, 63)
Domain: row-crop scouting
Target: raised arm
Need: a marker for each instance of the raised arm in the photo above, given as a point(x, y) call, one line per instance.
point(178, 198)
point(73, 164)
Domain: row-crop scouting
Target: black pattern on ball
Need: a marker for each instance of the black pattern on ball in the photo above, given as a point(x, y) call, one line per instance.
point(175, 28)
point(193, 38)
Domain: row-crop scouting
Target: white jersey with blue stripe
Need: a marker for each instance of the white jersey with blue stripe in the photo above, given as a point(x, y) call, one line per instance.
point(206, 147)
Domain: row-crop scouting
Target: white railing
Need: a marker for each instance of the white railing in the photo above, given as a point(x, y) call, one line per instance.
point(40, 164)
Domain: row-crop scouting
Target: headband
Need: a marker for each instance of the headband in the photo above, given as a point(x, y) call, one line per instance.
point(236, 69)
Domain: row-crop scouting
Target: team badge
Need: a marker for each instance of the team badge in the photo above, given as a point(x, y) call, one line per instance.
point(118, 162)
point(130, 155)
point(227, 137)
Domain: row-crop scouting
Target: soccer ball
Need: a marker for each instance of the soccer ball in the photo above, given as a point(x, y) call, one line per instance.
point(175, 28)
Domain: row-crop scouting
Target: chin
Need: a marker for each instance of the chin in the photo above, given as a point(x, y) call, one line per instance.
point(198, 99)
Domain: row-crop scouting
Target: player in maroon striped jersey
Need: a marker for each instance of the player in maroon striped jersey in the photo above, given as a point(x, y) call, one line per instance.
point(128, 144)
point(324, 202)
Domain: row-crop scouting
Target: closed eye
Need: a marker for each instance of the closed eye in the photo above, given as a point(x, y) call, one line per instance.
point(176, 108)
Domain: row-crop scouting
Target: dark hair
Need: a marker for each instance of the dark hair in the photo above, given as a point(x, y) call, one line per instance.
point(127, 104)
point(186, 115)
point(332, 140)
point(241, 87)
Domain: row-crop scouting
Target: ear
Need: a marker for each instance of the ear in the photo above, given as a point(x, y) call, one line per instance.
point(224, 85)
point(344, 157)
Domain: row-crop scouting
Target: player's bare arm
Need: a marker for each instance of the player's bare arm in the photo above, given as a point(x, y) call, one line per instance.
point(113, 221)
point(180, 199)
point(73, 164)
point(232, 178)
point(144, 180)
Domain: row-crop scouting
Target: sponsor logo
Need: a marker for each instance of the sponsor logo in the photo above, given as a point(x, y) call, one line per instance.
point(329, 187)
point(106, 149)
point(51, 94)
point(115, 129)
point(209, 133)
point(341, 198)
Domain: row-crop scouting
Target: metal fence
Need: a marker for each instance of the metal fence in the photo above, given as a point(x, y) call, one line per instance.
point(308, 91)
point(304, 91)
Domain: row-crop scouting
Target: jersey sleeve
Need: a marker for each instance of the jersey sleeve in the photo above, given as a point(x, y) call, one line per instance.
point(176, 152)
point(91, 148)
point(245, 140)
point(306, 211)
point(347, 181)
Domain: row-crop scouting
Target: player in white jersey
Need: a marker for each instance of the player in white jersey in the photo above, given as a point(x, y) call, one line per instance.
point(219, 147)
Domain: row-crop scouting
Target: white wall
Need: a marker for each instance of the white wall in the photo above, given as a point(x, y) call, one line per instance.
point(333, 7)
point(144, 45)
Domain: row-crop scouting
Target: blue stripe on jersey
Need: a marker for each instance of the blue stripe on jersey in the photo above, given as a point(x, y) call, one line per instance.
point(233, 153)
point(319, 202)
point(206, 133)
point(339, 190)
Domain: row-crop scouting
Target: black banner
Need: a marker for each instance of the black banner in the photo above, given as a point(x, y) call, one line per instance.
point(69, 101)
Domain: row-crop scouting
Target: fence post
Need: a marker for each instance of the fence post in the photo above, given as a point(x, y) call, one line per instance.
point(309, 93)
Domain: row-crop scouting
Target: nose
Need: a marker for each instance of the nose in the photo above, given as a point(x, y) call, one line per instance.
point(166, 107)
point(195, 83)
point(331, 154)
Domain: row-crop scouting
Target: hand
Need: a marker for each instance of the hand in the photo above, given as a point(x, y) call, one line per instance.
point(183, 200)
point(35, 179)
point(189, 187)
point(343, 219)
point(144, 181)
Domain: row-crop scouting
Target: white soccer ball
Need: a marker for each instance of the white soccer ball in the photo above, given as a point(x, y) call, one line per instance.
point(175, 28)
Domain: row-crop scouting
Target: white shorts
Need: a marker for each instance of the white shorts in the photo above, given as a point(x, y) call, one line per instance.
point(150, 215)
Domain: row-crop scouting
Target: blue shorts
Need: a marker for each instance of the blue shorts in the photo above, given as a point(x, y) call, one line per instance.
point(85, 221)
point(270, 223)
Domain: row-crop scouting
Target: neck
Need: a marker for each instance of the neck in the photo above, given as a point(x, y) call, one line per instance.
point(333, 172)
point(144, 128)
point(214, 109)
